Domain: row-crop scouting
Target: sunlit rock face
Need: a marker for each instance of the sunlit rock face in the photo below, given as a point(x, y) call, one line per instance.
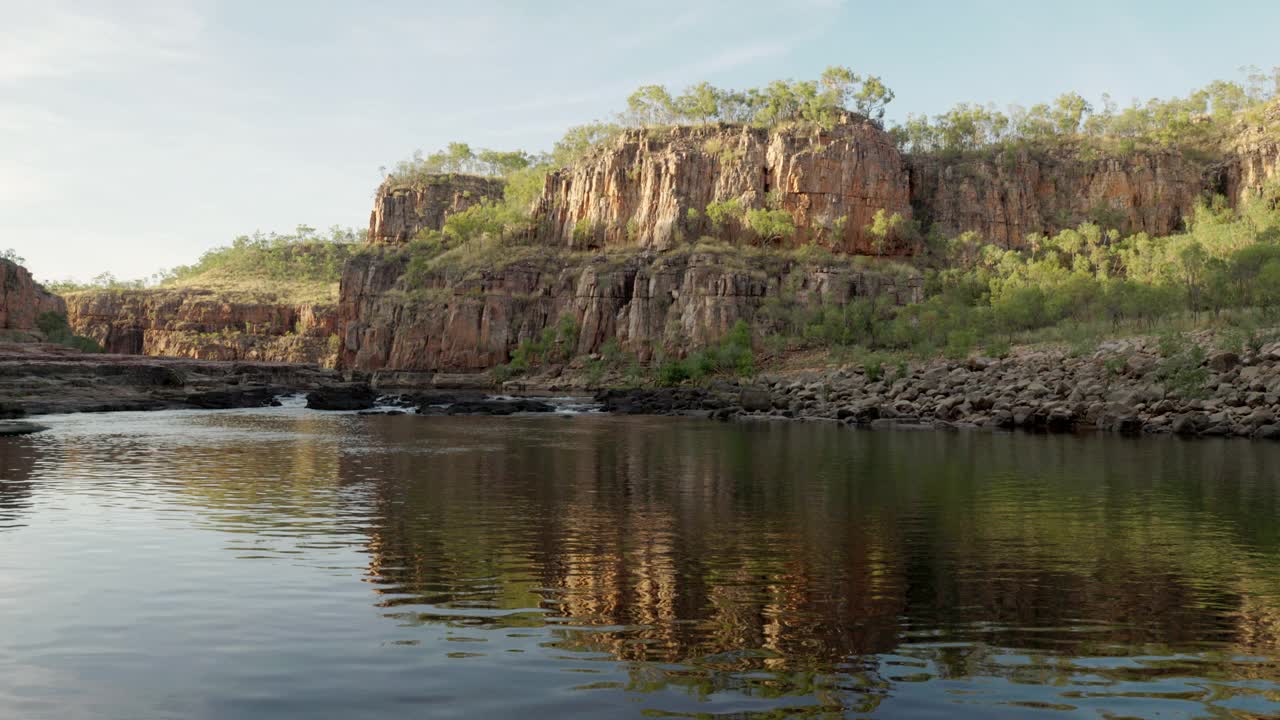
point(1255, 159)
point(1005, 198)
point(401, 211)
point(651, 187)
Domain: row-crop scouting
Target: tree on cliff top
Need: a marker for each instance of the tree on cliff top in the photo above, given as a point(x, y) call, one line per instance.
point(821, 102)
point(12, 256)
point(1202, 121)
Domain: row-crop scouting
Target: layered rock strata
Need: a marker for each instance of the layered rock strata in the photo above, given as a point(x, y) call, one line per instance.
point(195, 323)
point(38, 378)
point(1008, 197)
point(401, 211)
point(651, 188)
point(649, 303)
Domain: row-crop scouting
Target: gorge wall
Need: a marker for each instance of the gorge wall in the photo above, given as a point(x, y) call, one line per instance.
point(1255, 158)
point(201, 324)
point(651, 187)
point(22, 302)
point(649, 302)
point(1005, 198)
point(615, 244)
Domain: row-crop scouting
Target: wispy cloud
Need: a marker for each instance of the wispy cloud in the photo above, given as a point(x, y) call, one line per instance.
point(54, 39)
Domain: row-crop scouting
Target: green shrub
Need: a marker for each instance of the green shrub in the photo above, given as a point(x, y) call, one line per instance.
point(1184, 373)
point(874, 370)
point(55, 329)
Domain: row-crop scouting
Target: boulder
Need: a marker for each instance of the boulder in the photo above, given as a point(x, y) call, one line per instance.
point(11, 427)
point(352, 396)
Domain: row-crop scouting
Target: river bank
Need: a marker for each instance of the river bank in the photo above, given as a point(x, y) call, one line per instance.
point(41, 379)
point(1132, 386)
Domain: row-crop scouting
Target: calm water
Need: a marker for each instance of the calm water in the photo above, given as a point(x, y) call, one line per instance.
point(281, 563)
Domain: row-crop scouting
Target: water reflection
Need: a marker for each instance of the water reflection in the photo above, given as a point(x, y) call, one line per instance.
point(806, 569)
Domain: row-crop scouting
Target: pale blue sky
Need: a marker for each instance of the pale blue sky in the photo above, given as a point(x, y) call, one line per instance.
point(134, 136)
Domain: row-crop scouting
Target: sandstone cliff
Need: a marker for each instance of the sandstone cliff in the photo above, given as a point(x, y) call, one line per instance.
point(1255, 158)
point(1005, 198)
point(650, 188)
point(23, 301)
point(651, 303)
point(195, 323)
point(400, 211)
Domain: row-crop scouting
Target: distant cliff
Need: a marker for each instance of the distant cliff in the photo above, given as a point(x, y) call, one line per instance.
point(23, 301)
point(203, 324)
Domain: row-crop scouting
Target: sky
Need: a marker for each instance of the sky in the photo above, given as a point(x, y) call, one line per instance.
point(134, 136)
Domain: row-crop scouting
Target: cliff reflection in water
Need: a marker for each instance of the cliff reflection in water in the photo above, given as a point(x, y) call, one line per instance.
point(802, 547)
point(822, 568)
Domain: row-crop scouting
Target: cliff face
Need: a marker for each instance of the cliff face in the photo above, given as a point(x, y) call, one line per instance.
point(649, 303)
point(22, 301)
point(1255, 158)
point(1004, 200)
point(650, 188)
point(400, 212)
point(200, 324)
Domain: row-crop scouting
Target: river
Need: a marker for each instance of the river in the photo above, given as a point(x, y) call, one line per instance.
point(287, 563)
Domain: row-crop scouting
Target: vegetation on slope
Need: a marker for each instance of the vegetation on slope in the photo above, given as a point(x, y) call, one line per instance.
point(299, 267)
point(55, 329)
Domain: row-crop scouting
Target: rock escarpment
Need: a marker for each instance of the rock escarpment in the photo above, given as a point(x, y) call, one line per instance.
point(1005, 198)
point(401, 211)
point(195, 323)
point(1255, 159)
point(649, 302)
point(23, 301)
point(651, 187)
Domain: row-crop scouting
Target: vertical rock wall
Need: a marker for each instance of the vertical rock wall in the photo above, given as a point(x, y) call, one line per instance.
point(401, 211)
point(22, 300)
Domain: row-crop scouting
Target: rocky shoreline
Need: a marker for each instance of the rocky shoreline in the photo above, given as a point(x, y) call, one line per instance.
point(1123, 387)
point(41, 379)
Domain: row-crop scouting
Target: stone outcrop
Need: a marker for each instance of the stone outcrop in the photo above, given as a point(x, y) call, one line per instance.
point(649, 302)
point(39, 378)
point(1255, 158)
point(23, 301)
point(195, 323)
point(1005, 198)
point(401, 211)
point(650, 188)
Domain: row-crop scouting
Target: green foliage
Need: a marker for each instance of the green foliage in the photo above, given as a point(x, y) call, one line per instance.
point(873, 370)
point(12, 256)
point(723, 212)
point(555, 344)
point(732, 355)
point(1202, 120)
point(55, 329)
point(1182, 370)
point(460, 158)
point(818, 102)
point(770, 224)
point(888, 231)
point(302, 256)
